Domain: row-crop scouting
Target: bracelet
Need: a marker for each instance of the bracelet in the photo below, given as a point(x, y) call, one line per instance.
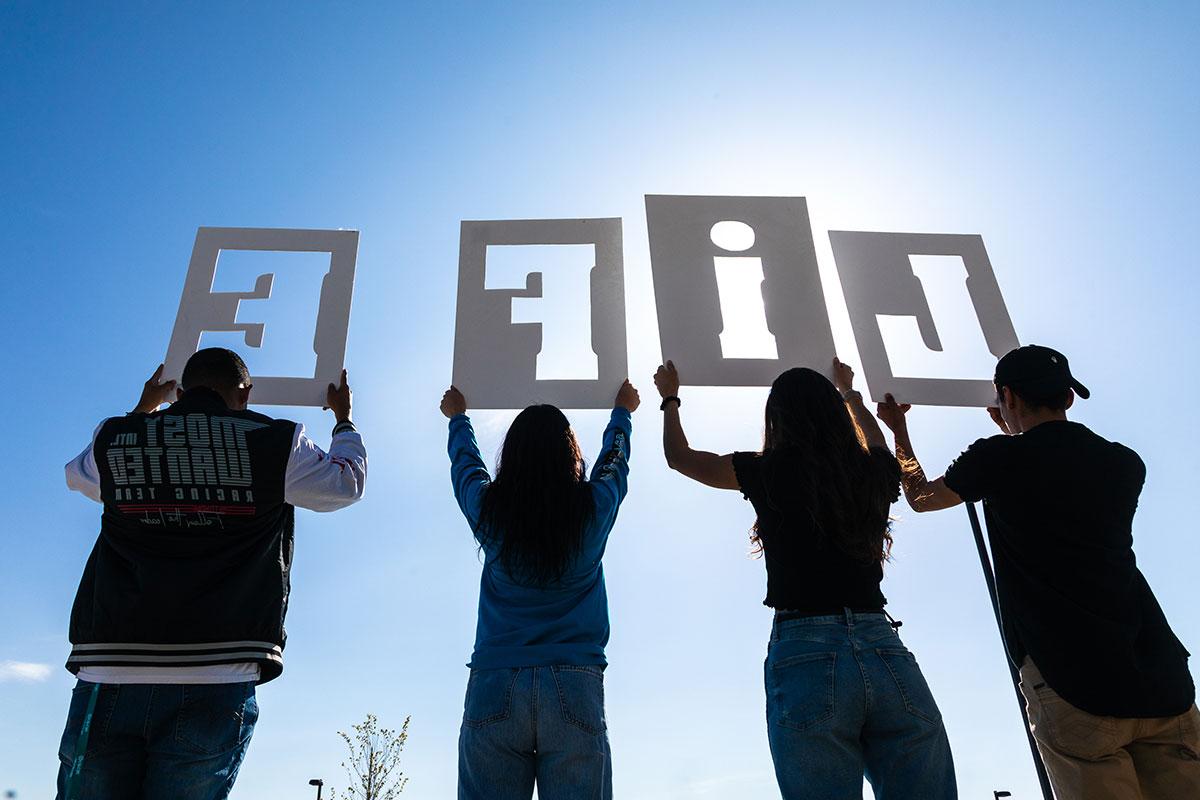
point(663, 405)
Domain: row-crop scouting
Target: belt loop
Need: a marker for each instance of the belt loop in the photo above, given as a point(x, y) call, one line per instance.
point(849, 617)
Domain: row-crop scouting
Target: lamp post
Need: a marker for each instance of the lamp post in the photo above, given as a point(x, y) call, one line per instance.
point(317, 782)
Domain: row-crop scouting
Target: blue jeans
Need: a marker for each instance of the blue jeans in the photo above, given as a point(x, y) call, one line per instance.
point(159, 741)
point(543, 724)
point(845, 698)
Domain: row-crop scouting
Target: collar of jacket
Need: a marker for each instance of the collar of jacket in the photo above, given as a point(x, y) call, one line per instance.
point(200, 398)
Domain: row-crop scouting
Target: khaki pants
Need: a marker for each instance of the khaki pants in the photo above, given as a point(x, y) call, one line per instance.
point(1109, 758)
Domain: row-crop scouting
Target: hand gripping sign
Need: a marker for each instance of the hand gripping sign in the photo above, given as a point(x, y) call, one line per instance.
point(201, 309)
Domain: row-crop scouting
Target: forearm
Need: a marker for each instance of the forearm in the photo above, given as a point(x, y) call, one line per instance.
point(675, 443)
point(468, 473)
point(912, 474)
point(865, 420)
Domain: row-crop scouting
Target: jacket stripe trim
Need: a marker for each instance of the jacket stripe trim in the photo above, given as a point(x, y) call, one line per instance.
point(248, 655)
point(197, 647)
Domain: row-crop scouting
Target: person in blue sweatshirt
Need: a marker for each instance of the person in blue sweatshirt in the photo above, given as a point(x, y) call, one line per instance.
point(534, 710)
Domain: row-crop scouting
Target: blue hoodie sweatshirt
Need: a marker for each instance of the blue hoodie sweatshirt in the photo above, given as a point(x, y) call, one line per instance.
point(566, 622)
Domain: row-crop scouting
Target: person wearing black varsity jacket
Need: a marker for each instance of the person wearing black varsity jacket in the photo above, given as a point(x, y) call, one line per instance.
point(180, 610)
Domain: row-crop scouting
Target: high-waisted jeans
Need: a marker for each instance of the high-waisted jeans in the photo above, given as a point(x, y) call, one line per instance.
point(543, 724)
point(846, 699)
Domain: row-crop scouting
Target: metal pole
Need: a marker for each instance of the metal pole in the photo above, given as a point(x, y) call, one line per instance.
point(990, 578)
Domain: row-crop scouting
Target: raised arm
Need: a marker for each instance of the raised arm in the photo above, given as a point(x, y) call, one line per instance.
point(83, 476)
point(468, 474)
point(321, 481)
point(610, 474)
point(843, 379)
point(921, 493)
point(699, 465)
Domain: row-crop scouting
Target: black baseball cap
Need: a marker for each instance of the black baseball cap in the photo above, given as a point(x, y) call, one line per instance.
point(1039, 370)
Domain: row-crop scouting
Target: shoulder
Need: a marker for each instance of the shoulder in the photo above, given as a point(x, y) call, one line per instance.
point(746, 462)
point(255, 416)
point(117, 422)
point(1129, 458)
point(262, 429)
point(973, 474)
point(990, 446)
point(883, 459)
point(747, 467)
point(274, 423)
point(984, 451)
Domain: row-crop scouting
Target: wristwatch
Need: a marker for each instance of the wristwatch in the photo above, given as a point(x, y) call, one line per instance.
point(663, 405)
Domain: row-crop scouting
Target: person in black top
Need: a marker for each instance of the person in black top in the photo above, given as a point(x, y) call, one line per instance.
point(845, 698)
point(1105, 681)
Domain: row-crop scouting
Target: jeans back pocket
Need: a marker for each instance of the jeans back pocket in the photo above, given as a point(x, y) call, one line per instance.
point(914, 692)
point(106, 703)
point(489, 696)
point(581, 696)
point(800, 690)
point(215, 718)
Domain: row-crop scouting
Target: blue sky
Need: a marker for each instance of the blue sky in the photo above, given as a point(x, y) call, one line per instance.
point(1065, 136)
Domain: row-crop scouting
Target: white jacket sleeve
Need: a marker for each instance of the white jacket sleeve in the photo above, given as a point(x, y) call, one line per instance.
point(83, 475)
point(321, 481)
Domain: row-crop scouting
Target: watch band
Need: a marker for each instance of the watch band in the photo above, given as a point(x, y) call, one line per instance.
point(663, 405)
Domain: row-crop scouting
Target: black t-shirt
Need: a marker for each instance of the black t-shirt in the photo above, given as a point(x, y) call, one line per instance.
point(1059, 502)
point(804, 573)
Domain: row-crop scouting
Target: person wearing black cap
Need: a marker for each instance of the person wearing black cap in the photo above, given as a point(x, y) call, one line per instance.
point(1110, 700)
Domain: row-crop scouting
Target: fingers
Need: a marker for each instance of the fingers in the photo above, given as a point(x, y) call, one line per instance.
point(157, 374)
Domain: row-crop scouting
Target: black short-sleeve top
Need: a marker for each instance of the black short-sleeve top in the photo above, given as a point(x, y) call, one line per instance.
point(1059, 502)
point(805, 572)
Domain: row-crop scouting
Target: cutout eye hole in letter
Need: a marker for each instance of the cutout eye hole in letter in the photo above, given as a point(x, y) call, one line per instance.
point(737, 287)
point(910, 315)
point(519, 336)
point(201, 309)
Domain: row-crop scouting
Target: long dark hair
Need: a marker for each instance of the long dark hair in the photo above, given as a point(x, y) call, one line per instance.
point(539, 503)
point(817, 464)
